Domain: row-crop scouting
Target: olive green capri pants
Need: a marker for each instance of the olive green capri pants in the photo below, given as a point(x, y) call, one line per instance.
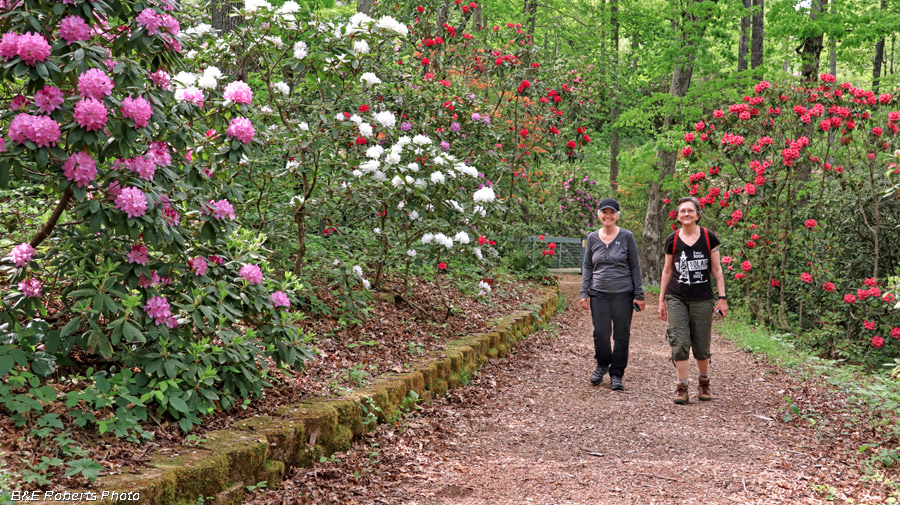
point(690, 327)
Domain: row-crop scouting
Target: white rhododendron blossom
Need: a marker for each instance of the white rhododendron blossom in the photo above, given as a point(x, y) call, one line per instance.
point(370, 166)
point(374, 152)
point(199, 30)
point(443, 240)
point(393, 158)
point(484, 195)
point(484, 286)
point(389, 23)
point(207, 81)
point(366, 130)
point(456, 206)
point(437, 178)
point(411, 253)
point(358, 270)
point(396, 181)
point(462, 237)
point(466, 169)
point(427, 238)
point(413, 167)
point(281, 87)
point(368, 77)
point(478, 253)
point(304, 126)
point(386, 119)
point(357, 173)
point(254, 5)
point(361, 47)
point(421, 140)
point(276, 41)
point(289, 7)
point(184, 79)
point(413, 216)
point(300, 50)
point(356, 119)
point(377, 231)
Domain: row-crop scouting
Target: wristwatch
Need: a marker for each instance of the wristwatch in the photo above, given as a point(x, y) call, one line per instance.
point(723, 297)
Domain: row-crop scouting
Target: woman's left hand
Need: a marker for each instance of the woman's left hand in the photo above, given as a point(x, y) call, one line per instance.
point(641, 304)
point(722, 307)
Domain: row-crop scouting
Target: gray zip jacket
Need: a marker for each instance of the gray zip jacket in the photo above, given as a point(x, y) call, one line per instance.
point(613, 268)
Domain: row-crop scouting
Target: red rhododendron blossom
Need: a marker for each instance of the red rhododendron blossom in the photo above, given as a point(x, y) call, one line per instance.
point(810, 223)
point(746, 266)
point(889, 297)
point(524, 132)
point(775, 283)
point(848, 298)
point(279, 299)
point(828, 286)
point(750, 189)
point(737, 215)
point(132, 201)
point(727, 259)
point(877, 342)
point(242, 129)
point(876, 131)
point(687, 151)
point(806, 277)
point(442, 266)
point(80, 168)
point(895, 332)
point(90, 114)
point(869, 325)
point(540, 237)
point(238, 92)
point(751, 244)
point(762, 86)
point(739, 275)
point(871, 281)
point(31, 288)
point(551, 245)
point(425, 61)
point(827, 78)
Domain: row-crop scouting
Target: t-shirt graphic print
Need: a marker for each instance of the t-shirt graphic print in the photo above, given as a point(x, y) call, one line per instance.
point(691, 278)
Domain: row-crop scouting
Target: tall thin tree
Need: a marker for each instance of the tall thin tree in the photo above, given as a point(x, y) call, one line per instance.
point(758, 34)
point(878, 61)
point(614, 94)
point(744, 40)
point(810, 50)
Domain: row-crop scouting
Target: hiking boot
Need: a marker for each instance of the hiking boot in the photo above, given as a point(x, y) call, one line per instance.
point(597, 376)
point(703, 388)
point(681, 394)
point(615, 383)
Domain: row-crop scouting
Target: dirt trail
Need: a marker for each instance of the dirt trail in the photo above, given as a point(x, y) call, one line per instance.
point(531, 429)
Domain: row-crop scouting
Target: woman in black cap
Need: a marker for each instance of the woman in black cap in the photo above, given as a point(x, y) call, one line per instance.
point(610, 287)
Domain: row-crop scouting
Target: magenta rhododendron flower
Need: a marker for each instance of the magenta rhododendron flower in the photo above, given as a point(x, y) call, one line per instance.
point(48, 99)
point(191, 94)
point(806, 277)
point(137, 109)
point(811, 223)
point(877, 342)
point(871, 281)
point(94, 83)
point(159, 154)
point(895, 332)
point(144, 167)
point(80, 168)
point(30, 287)
point(9, 46)
point(221, 209)
point(828, 286)
point(90, 114)
point(32, 48)
point(21, 254)
point(198, 265)
point(869, 325)
point(739, 275)
point(74, 28)
point(132, 201)
point(242, 129)
point(238, 92)
point(252, 274)
point(149, 20)
point(139, 254)
point(161, 78)
point(848, 298)
point(158, 309)
point(279, 299)
point(746, 266)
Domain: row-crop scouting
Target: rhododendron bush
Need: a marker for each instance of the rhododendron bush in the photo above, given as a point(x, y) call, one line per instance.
point(133, 263)
point(801, 182)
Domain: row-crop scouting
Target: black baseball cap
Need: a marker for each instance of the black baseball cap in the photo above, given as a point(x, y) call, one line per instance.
point(609, 203)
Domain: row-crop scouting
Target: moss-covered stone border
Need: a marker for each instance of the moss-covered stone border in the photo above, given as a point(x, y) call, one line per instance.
point(264, 448)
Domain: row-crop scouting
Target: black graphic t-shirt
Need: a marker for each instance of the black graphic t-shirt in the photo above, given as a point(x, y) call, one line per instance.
point(691, 278)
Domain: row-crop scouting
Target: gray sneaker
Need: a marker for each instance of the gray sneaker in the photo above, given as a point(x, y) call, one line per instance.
point(597, 376)
point(615, 383)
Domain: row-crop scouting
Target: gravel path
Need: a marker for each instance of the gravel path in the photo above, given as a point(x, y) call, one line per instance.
point(531, 429)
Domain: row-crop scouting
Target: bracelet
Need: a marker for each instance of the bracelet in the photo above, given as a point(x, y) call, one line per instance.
point(723, 297)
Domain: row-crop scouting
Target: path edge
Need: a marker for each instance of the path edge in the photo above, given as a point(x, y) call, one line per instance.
point(264, 448)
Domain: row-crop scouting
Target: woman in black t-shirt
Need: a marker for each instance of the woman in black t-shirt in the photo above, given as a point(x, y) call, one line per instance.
point(686, 298)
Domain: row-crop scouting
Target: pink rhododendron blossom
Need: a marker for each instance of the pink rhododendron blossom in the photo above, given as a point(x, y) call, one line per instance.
point(21, 254)
point(80, 168)
point(139, 254)
point(810, 223)
point(238, 92)
point(144, 167)
point(169, 24)
point(279, 299)
point(221, 209)
point(48, 99)
point(90, 114)
point(158, 309)
point(9, 46)
point(42, 130)
point(198, 265)
point(32, 48)
point(159, 154)
point(132, 201)
point(94, 83)
point(252, 274)
point(191, 94)
point(137, 109)
point(161, 78)
point(31, 288)
point(150, 21)
point(215, 260)
point(74, 28)
point(242, 129)
point(806, 277)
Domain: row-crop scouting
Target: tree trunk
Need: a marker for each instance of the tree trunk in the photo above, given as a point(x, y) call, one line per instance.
point(810, 50)
point(614, 113)
point(652, 243)
point(878, 62)
point(221, 11)
point(758, 35)
point(744, 41)
point(364, 6)
point(832, 57)
point(477, 20)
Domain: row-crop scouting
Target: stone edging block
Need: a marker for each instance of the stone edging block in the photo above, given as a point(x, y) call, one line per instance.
point(264, 448)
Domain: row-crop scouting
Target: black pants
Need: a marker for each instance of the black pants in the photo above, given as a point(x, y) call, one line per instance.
point(611, 314)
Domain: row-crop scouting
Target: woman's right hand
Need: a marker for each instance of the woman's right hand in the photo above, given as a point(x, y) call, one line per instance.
point(662, 311)
point(585, 304)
